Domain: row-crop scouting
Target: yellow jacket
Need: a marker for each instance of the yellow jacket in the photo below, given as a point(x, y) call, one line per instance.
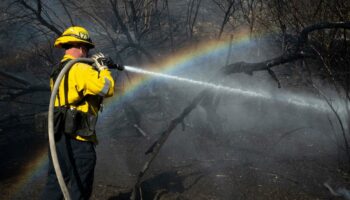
point(84, 81)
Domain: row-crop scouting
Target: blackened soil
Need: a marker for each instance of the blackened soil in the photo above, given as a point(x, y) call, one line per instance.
point(19, 148)
point(240, 165)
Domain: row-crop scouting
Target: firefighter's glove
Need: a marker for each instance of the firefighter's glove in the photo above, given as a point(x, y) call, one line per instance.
point(101, 62)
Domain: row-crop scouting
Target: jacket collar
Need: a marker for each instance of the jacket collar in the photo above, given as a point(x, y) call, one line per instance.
point(67, 57)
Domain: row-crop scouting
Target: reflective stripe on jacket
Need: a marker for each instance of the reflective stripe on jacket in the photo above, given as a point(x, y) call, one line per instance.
point(85, 88)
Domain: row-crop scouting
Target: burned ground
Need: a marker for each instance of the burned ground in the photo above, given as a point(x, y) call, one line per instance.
point(243, 148)
point(261, 153)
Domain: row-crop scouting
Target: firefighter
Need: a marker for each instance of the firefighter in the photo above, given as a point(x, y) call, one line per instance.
point(77, 104)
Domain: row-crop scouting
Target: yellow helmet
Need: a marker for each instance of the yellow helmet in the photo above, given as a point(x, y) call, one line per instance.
point(74, 35)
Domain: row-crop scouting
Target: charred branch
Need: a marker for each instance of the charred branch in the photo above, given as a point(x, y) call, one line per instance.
point(156, 146)
point(339, 192)
point(274, 76)
point(134, 17)
point(298, 54)
point(170, 26)
point(67, 12)
point(303, 38)
point(122, 25)
point(249, 68)
point(38, 13)
point(126, 32)
point(191, 20)
point(228, 13)
point(138, 48)
point(340, 121)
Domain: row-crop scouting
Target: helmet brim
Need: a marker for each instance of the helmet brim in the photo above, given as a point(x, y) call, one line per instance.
point(66, 39)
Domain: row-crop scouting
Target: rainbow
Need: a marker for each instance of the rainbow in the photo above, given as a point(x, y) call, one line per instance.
point(30, 173)
point(186, 58)
point(174, 63)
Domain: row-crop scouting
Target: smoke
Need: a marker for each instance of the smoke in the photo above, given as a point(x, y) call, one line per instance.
point(234, 140)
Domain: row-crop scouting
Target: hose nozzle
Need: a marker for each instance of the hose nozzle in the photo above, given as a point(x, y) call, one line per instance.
point(119, 67)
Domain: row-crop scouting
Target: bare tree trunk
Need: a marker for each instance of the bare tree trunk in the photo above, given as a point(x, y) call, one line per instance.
point(67, 13)
point(170, 26)
point(191, 20)
point(226, 18)
point(37, 12)
point(126, 32)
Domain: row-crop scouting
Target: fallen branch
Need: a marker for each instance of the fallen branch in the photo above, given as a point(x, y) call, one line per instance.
point(140, 130)
point(286, 57)
point(303, 38)
point(155, 148)
point(340, 121)
point(274, 76)
point(340, 192)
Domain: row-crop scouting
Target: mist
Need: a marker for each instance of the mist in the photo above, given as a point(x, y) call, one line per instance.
point(249, 140)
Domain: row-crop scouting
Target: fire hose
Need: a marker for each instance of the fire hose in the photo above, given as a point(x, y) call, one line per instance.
point(51, 133)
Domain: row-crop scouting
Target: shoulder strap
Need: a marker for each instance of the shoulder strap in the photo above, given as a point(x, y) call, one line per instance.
point(57, 69)
point(54, 74)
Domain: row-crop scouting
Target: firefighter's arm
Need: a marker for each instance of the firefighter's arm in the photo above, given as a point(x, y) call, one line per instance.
point(108, 76)
point(92, 82)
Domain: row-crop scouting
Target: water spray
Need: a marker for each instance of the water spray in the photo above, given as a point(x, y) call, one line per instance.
point(195, 82)
point(299, 101)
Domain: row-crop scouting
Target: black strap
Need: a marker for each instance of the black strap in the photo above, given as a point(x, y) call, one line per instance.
point(57, 69)
point(54, 74)
point(66, 88)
